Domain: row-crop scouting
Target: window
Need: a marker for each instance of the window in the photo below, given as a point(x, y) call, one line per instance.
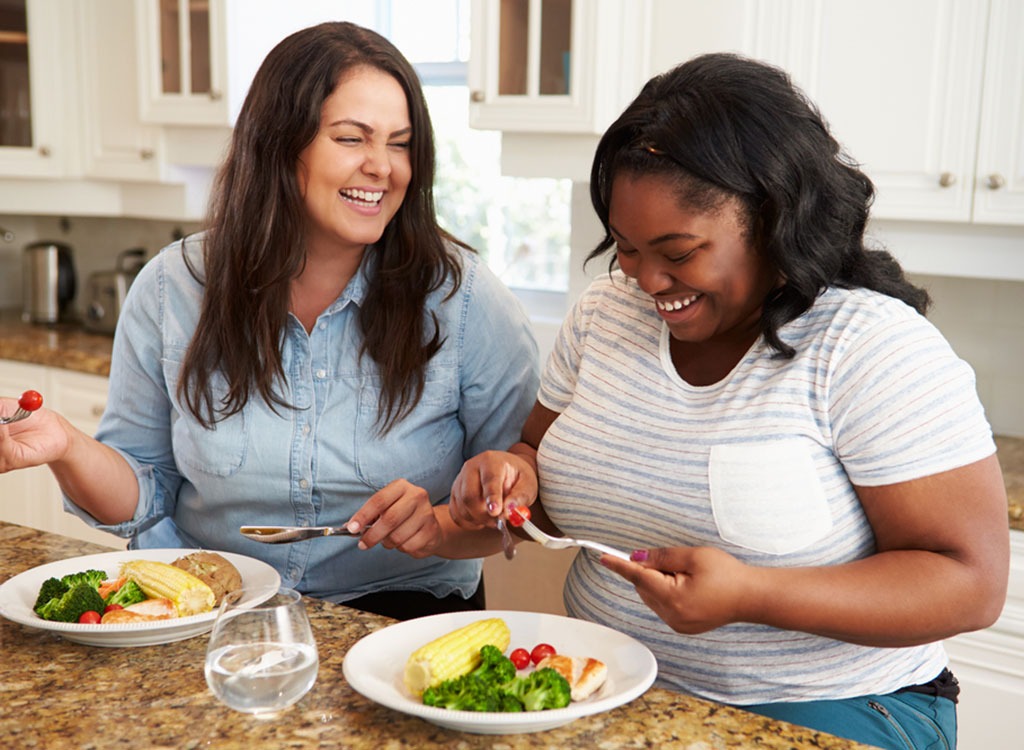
point(520, 226)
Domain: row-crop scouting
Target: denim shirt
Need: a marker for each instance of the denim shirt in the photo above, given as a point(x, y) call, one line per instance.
point(317, 463)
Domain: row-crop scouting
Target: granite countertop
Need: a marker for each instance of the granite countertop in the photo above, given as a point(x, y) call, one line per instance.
point(68, 346)
point(58, 694)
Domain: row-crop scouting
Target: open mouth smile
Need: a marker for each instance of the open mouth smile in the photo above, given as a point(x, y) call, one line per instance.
point(676, 304)
point(366, 198)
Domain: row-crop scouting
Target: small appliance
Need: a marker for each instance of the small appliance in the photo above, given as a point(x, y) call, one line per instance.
point(106, 290)
point(49, 282)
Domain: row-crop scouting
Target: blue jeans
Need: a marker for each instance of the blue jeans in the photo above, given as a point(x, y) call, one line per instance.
point(897, 721)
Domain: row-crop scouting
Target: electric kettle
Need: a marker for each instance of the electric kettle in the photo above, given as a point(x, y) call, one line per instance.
point(49, 282)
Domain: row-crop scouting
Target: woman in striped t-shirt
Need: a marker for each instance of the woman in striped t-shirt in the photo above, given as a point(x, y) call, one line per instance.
point(754, 402)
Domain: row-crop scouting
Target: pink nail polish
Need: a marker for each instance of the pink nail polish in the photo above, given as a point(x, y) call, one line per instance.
point(491, 507)
point(639, 555)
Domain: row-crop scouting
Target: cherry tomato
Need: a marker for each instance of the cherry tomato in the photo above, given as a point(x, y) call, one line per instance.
point(517, 514)
point(90, 618)
point(540, 651)
point(520, 657)
point(111, 608)
point(30, 400)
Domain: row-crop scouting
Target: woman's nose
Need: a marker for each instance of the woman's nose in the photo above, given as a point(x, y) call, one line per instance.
point(377, 162)
point(652, 277)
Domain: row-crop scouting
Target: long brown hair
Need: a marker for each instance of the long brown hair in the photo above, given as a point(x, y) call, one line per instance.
point(254, 246)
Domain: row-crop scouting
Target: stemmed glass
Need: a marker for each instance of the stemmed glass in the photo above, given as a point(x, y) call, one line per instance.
point(262, 656)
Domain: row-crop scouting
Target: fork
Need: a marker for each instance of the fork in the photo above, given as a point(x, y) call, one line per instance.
point(19, 415)
point(562, 542)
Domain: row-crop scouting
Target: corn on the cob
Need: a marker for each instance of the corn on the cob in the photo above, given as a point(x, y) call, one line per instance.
point(159, 580)
point(454, 654)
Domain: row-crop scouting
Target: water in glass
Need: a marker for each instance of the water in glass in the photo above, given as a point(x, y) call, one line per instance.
point(261, 657)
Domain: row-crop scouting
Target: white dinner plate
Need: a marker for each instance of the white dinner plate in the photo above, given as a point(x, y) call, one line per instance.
point(18, 596)
point(375, 665)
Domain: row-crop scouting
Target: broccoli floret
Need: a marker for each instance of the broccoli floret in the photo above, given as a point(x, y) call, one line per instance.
point(127, 595)
point(93, 577)
point(541, 689)
point(466, 693)
point(52, 588)
point(78, 599)
point(495, 667)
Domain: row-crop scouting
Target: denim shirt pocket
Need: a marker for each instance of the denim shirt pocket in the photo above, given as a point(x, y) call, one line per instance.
point(767, 497)
point(416, 447)
point(217, 451)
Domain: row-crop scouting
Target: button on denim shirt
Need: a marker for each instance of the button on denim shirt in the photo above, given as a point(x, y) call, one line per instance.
point(318, 463)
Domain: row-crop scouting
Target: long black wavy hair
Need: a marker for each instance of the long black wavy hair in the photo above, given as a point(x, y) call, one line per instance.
point(721, 126)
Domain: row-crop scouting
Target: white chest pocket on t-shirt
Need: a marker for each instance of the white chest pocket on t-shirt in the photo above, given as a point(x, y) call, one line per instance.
point(767, 497)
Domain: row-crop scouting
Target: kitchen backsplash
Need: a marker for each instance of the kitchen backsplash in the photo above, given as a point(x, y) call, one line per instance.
point(983, 319)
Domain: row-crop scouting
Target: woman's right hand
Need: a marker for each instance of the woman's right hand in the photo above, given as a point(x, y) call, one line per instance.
point(487, 484)
point(38, 440)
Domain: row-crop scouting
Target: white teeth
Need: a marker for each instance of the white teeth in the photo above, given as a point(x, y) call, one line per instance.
point(363, 196)
point(678, 304)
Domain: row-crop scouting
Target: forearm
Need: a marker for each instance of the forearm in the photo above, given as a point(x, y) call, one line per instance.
point(891, 599)
point(96, 478)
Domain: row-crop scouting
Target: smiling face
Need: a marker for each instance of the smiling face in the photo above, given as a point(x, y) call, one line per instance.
point(354, 174)
point(706, 280)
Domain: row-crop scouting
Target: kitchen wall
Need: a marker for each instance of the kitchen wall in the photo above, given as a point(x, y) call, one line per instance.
point(982, 318)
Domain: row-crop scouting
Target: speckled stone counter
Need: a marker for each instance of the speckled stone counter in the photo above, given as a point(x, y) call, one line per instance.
point(63, 345)
point(58, 694)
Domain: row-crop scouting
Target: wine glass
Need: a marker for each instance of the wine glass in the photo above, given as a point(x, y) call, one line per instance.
point(262, 656)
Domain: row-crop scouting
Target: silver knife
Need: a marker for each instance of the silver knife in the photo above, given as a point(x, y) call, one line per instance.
point(286, 534)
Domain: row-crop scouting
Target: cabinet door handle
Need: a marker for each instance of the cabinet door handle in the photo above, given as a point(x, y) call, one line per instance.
point(215, 95)
point(44, 150)
point(995, 181)
point(97, 410)
point(947, 179)
point(476, 96)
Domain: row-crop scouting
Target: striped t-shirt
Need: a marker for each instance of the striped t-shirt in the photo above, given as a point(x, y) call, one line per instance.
point(759, 464)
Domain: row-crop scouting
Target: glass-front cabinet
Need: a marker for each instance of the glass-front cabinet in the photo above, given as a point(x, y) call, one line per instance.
point(560, 66)
point(33, 94)
point(183, 78)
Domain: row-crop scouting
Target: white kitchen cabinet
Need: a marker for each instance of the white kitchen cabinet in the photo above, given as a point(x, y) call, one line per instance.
point(198, 57)
point(990, 667)
point(933, 113)
point(117, 145)
point(44, 145)
point(555, 66)
point(32, 497)
point(999, 176)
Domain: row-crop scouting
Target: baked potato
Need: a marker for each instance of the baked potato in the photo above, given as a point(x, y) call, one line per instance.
point(212, 569)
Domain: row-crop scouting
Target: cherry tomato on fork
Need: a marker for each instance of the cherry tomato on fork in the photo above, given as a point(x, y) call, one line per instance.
point(520, 657)
point(30, 400)
point(540, 651)
point(517, 514)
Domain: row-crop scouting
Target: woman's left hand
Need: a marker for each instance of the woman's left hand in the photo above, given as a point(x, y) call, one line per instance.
point(402, 518)
point(693, 589)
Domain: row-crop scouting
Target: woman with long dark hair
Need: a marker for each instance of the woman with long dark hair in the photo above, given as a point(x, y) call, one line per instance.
point(323, 354)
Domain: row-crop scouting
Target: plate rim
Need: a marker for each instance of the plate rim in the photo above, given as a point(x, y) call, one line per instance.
point(485, 722)
point(120, 634)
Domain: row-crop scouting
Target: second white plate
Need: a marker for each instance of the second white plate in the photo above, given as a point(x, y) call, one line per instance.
point(374, 667)
point(18, 596)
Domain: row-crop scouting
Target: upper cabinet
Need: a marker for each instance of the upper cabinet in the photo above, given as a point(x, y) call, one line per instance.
point(999, 175)
point(934, 113)
point(36, 39)
point(198, 57)
point(555, 66)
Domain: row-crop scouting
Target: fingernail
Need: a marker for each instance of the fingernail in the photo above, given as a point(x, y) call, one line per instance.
point(492, 507)
point(638, 555)
point(353, 527)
